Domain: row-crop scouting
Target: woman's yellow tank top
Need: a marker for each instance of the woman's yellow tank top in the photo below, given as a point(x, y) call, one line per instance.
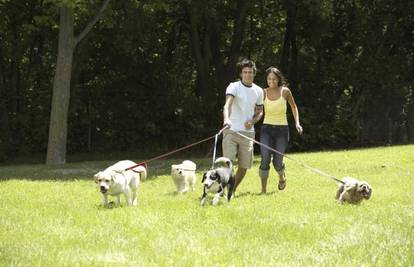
point(275, 111)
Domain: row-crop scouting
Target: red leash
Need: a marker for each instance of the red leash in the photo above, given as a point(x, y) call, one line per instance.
point(144, 163)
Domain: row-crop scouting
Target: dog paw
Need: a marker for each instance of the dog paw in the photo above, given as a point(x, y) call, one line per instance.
point(109, 205)
point(215, 202)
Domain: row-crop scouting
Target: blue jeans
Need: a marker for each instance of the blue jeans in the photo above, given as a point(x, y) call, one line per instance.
point(277, 137)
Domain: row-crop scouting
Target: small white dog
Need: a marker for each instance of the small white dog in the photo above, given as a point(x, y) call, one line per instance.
point(115, 181)
point(217, 180)
point(353, 191)
point(184, 175)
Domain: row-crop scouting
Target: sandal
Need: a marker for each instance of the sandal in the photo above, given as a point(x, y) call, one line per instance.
point(282, 184)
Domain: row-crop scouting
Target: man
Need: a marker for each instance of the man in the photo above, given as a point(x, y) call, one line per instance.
point(243, 108)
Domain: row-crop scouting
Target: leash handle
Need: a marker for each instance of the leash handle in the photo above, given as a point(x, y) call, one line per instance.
point(214, 150)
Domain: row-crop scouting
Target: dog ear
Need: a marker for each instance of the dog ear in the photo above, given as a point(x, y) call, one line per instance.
point(361, 186)
point(95, 177)
point(351, 186)
point(204, 177)
point(218, 176)
point(368, 196)
point(113, 176)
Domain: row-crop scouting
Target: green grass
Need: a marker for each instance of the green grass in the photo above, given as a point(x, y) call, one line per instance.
point(53, 216)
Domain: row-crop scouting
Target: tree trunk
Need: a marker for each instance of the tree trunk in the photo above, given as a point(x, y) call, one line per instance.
point(217, 61)
point(293, 72)
point(237, 38)
point(202, 72)
point(56, 149)
point(4, 117)
point(410, 120)
point(290, 37)
point(225, 67)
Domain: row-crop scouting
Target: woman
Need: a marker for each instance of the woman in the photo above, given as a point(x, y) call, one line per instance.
point(275, 130)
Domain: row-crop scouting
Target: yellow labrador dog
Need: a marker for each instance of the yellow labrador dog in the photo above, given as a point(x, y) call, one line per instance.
point(115, 180)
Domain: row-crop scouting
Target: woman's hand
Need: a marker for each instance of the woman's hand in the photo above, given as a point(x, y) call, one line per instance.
point(299, 128)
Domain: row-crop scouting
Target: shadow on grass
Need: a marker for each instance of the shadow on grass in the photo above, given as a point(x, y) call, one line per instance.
point(111, 205)
point(85, 170)
point(248, 193)
point(176, 194)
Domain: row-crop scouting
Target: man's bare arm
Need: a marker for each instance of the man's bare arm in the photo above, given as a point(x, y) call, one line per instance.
point(227, 110)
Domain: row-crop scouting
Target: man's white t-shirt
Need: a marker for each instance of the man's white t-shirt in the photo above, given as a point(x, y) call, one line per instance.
point(244, 102)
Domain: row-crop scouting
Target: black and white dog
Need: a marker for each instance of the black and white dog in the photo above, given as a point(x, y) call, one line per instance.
point(217, 180)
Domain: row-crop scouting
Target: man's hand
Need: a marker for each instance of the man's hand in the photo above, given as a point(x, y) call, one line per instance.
point(227, 123)
point(248, 124)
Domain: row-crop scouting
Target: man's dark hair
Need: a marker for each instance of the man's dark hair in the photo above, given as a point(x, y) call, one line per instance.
point(246, 63)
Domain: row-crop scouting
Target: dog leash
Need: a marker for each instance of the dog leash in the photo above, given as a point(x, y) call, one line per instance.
point(189, 170)
point(144, 163)
point(215, 144)
point(306, 166)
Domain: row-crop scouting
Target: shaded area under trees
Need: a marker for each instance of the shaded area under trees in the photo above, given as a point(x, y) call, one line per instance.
point(151, 75)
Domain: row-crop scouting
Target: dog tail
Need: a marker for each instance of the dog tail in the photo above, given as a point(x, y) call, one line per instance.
point(142, 172)
point(225, 160)
point(188, 164)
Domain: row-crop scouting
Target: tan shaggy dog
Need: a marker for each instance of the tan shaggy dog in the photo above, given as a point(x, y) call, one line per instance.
point(353, 191)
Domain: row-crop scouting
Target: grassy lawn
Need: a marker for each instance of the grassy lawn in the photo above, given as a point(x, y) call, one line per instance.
point(53, 216)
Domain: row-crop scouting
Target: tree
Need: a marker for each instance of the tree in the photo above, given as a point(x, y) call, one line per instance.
point(56, 150)
point(157, 71)
point(289, 44)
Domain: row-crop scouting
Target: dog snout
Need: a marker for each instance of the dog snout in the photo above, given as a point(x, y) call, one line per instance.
point(364, 187)
point(103, 188)
point(208, 184)
point(368, 193)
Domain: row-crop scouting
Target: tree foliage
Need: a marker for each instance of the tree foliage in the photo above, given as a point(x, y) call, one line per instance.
point(152, 74)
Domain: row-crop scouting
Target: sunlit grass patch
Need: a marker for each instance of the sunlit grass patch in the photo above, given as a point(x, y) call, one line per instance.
point(53, 216)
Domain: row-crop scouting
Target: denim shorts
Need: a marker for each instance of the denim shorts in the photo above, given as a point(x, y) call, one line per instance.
point(277, 137)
